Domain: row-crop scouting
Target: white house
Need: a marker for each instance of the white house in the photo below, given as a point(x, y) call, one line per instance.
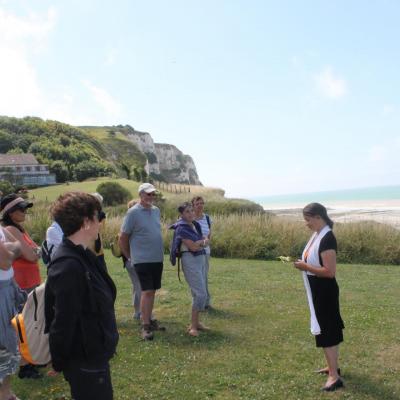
point(24, 169)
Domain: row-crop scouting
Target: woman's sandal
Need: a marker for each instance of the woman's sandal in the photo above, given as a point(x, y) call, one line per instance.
point(201, 327)
point(326, 371)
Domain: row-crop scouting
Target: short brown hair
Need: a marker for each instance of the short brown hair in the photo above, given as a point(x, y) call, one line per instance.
point(184, 206)
point(196, 198)
point(71, 208)
point(131, 203)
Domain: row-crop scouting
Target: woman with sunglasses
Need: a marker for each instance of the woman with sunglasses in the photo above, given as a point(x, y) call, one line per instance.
point(79, 301)
point(26, 267)
point(10, 298)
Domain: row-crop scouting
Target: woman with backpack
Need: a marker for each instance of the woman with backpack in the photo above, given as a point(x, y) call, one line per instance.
point(205, 222)
point(189, 244)
point(26, 267)
point(79, 301)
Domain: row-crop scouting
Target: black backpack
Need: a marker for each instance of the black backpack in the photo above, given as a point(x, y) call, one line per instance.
point(46, 253)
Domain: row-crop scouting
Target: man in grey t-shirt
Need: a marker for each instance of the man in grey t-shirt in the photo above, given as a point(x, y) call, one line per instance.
point(141, 243)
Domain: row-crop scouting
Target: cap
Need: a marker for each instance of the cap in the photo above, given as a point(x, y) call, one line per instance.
point(11, 202)
point(147, 188)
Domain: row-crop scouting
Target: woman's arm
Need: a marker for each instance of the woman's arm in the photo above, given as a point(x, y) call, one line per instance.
point(328, 270)
point(6, 257)
point(28, 252)
point(123, 242)
point(195, 246)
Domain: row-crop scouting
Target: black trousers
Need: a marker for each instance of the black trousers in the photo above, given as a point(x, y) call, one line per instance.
point(89, 381)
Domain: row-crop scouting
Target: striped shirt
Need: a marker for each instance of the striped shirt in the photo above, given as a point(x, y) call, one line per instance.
point(205, 229)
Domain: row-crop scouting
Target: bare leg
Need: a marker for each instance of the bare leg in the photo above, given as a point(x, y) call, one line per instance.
point(146, 305)
point(331, 356)
point(195, 319)
point(194, 325)
point(5, 389)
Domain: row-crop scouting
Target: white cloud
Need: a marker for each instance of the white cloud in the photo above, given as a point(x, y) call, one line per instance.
point(330, 85)
point(111, 106)
point(20, 37)
point(25, 31)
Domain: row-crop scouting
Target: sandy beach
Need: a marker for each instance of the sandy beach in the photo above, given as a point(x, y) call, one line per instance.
point(383, 211)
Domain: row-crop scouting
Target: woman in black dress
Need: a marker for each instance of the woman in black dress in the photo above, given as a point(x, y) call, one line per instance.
point(319, 265)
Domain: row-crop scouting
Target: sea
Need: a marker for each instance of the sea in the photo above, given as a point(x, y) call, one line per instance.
point(377, 198)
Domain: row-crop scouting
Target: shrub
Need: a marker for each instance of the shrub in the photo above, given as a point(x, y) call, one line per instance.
point(6, 187)
point(113, 193)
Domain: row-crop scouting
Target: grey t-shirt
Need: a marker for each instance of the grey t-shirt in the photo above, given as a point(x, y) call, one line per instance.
point(144, 229)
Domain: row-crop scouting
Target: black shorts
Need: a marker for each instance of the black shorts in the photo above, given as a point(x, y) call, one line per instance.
point(149, 275)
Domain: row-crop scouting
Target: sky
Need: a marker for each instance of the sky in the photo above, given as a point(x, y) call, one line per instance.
point(268, 97)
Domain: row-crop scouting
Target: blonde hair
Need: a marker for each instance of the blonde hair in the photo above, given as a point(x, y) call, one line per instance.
point(131, 203)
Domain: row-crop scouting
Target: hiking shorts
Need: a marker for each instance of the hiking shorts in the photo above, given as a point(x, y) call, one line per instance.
point(149, 275)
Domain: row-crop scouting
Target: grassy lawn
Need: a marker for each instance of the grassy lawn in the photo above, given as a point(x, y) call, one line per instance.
point(50, 193)
point(260, 346)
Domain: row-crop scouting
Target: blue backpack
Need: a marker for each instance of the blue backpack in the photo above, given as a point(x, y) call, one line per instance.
point(175, 252)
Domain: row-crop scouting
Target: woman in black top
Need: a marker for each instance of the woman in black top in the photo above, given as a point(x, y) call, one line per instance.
point(319, 264)
point(79, 302)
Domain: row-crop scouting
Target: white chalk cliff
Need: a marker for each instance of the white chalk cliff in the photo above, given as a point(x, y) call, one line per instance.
point(165, 161)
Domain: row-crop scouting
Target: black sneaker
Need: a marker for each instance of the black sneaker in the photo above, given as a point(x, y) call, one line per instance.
point(147, 333)
point(29, 371)
point(155, 326)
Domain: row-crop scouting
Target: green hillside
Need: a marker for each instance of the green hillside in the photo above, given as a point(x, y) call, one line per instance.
point(73, 154)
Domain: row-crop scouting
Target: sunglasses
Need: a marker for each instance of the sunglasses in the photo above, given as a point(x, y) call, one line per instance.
point(152, 194)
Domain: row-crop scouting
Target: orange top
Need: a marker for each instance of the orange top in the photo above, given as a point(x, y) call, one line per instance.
point(26, 273)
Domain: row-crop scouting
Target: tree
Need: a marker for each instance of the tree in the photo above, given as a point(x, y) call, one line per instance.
point(139, 174)
point(59, 168)
point(113, 193)
point(88, 169)
point(6, 142)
